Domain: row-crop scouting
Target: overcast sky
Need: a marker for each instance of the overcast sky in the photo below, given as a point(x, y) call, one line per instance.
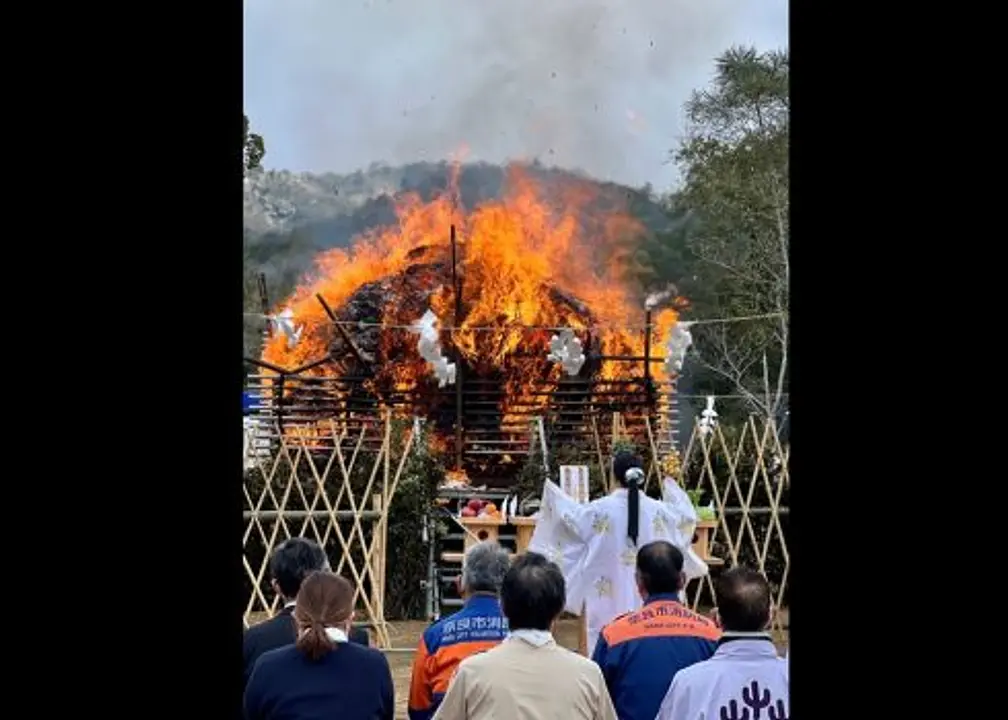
point(591, 84)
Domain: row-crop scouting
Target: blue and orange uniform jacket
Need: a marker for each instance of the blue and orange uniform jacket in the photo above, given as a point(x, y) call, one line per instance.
point(477, 627)
point(641, 651)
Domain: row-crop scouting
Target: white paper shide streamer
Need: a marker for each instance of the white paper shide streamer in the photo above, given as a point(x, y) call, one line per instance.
point(429, 347)
point(708, 417)
point(284, 324)
point(678, 343)
point(566, 349)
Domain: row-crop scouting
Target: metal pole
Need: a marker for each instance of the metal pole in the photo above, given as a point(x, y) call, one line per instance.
point(647, 347)
point(457, 287)
point(432, 574)
point(264, 302)
point(278, 391)
point(649, 387)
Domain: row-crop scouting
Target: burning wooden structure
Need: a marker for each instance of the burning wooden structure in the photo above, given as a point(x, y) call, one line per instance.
point(503, 384)
point(502, 280)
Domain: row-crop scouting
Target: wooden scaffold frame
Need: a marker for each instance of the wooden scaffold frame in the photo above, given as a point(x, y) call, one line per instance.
point(275, 484)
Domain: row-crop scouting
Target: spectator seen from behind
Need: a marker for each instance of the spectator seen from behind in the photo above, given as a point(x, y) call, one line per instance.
point(322, 676)
point(745, 678)
point(289, 565)
point(640, 652)
point(478, 626)
point(528, 676)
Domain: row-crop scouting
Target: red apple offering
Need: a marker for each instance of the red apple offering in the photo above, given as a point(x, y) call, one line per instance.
point(468, 512)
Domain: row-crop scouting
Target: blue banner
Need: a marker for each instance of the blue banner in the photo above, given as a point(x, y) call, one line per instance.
point(249, 402)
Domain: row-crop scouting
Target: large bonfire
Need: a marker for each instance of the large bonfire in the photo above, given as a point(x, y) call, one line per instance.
point(526, 267)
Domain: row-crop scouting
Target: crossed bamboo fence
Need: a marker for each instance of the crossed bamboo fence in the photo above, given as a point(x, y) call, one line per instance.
point(746, 477)
point(743, 473)
point(290, 493)
point(335, 487)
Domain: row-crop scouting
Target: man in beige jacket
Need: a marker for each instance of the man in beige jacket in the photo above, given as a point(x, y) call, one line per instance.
point(528, 676)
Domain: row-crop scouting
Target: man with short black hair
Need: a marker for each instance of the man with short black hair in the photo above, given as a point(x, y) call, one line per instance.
point(745, 677)
point(292, 561)
point(529, 676)
point(641, 652)
point(533, 594)
point(478, 626)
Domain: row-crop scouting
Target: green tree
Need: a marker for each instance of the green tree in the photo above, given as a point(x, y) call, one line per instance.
point(253, 147)
point(733, 235)
point(406, 575)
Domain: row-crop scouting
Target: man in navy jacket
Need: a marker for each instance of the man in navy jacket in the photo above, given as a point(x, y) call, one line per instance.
point(640, 652)
point(290, 564)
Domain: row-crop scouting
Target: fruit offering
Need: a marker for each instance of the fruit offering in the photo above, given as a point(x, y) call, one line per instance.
point(480, 508)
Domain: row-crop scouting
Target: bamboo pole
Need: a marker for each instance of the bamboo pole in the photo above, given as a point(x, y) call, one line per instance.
point(583, 631)
point(376, 562)
point(386, 503)
point(598, 448)
point(654, 467)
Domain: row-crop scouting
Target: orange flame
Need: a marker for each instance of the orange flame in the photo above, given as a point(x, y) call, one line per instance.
point(514, 255)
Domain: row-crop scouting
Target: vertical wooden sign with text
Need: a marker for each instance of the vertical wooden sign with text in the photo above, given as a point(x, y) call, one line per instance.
point(574, 482)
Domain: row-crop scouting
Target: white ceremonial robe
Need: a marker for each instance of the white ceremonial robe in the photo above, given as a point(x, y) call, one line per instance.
point(590, 544)
point(745, 678)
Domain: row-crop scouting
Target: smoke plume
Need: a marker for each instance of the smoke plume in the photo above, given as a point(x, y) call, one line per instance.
point(590, 84)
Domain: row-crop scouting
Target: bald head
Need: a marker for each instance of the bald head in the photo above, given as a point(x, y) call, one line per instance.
point(743, 600)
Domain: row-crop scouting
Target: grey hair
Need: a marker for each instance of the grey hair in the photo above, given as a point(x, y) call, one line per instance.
point(485, 566)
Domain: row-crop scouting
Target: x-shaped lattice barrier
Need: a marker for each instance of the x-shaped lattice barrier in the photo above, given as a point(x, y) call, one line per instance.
point(339, 495)
point(619, 430)
point(747, 479)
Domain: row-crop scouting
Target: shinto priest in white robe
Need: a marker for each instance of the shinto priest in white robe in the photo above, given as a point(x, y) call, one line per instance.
point(590, 543)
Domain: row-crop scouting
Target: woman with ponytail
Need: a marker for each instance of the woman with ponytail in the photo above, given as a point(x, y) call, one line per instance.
point(321, 675)
point(596, 544)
